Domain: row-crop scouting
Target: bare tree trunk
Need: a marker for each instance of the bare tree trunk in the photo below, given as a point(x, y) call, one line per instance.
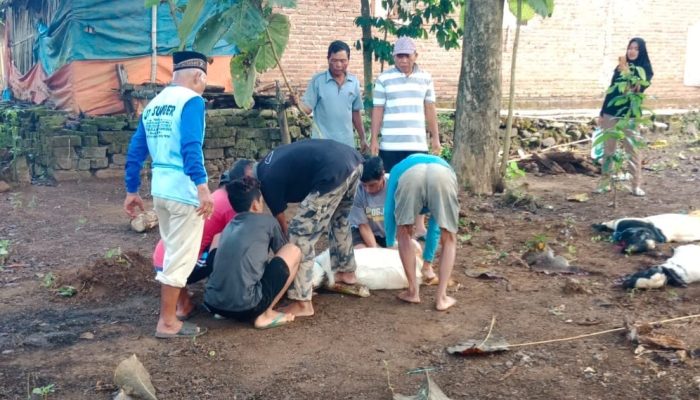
point(476, 136)
point(366, 51)
point(511, 93)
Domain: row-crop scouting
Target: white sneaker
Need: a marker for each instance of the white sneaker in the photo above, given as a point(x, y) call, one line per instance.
point(622, 176)
point(638, 192)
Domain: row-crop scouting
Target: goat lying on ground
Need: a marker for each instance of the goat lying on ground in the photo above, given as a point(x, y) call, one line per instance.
point(680, 270)
point(377, 268)
point(637, 235)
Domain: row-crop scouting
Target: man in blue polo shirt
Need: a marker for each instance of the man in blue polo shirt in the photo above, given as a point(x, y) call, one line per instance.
point(335, 98)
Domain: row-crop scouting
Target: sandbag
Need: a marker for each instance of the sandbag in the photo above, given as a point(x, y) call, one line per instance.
point(377, 268)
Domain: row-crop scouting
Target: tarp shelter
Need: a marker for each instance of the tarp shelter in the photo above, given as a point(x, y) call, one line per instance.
point(64, 52)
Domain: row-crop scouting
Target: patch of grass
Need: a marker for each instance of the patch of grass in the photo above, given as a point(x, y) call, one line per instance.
point(601, 238)
point(67, 291)
point(446, 153)
point(464, 238)
point(113, 253)
point(82, 220)
point(537, 242)
point(44, 391)
point(32, 202)
point(673, 295)
point(514, 172)
point(569, 222)
point(518, 197)
point(4, 252)
point(48, 281)
point(16, 201)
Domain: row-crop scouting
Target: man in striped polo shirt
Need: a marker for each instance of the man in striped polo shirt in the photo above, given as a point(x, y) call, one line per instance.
point(404, 100)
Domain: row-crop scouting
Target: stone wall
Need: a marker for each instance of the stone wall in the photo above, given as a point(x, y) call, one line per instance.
point(52, 144)
point(37, 143)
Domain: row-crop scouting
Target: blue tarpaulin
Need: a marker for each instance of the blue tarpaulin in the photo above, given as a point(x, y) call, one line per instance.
point(108, 30)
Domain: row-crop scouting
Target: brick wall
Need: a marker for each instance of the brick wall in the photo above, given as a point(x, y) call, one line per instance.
point(563, 62)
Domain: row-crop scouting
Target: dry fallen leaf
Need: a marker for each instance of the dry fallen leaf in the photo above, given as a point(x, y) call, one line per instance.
point(479, 347)
point(578, 197)
point(428, 391)
point(662, 341)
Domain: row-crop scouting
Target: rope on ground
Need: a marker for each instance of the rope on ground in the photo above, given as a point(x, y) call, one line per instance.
point(488, 335)
point(665, 321)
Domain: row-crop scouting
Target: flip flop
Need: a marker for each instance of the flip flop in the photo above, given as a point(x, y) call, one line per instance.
point(188, 330)
point(434, 280)
point(431, 281)
point(277, 322)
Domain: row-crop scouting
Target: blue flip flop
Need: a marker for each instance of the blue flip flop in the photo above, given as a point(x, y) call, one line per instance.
point(277, 322)
point(188, 330)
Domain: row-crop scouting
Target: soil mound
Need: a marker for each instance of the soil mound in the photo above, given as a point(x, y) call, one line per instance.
point(117, 277)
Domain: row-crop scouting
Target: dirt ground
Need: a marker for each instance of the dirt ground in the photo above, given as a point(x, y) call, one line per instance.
point(353, 348)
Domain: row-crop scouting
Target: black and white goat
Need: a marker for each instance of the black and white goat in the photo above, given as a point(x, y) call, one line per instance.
point(680, 270)
point(637, 235)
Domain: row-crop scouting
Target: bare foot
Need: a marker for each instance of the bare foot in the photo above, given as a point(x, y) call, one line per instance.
point(409, 297)
point(184, 304)
point(298, 309)
point(184, 311)
point(346, 277)
point(428, 274)
point(162, 327)
point(444, 303)
point(272, 319)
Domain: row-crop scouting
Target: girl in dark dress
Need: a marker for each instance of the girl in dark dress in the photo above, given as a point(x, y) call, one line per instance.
point(609, 114)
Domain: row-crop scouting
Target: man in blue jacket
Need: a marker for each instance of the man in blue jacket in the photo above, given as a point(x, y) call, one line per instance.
point(171, 130)
point(419, 184)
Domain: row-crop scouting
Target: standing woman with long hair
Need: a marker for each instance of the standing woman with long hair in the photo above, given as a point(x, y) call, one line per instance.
point(609, 114)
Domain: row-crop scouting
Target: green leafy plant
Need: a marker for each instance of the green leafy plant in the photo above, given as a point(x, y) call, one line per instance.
point(464, 237)
point(446, 153)
point(4, 251)
point(537, 242)
point(523, 10)
point(260, 35)
point(602, 238)
point(514, 172)
point(48, 280)
point(67, 291)
point(113, 253)
point(412, 18)
point(44, 391)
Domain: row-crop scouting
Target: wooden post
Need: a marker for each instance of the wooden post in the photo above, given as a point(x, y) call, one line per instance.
point(282, 115)
point(125, 89)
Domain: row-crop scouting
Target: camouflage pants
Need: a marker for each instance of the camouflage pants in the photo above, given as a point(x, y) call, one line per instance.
point(316, 214)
